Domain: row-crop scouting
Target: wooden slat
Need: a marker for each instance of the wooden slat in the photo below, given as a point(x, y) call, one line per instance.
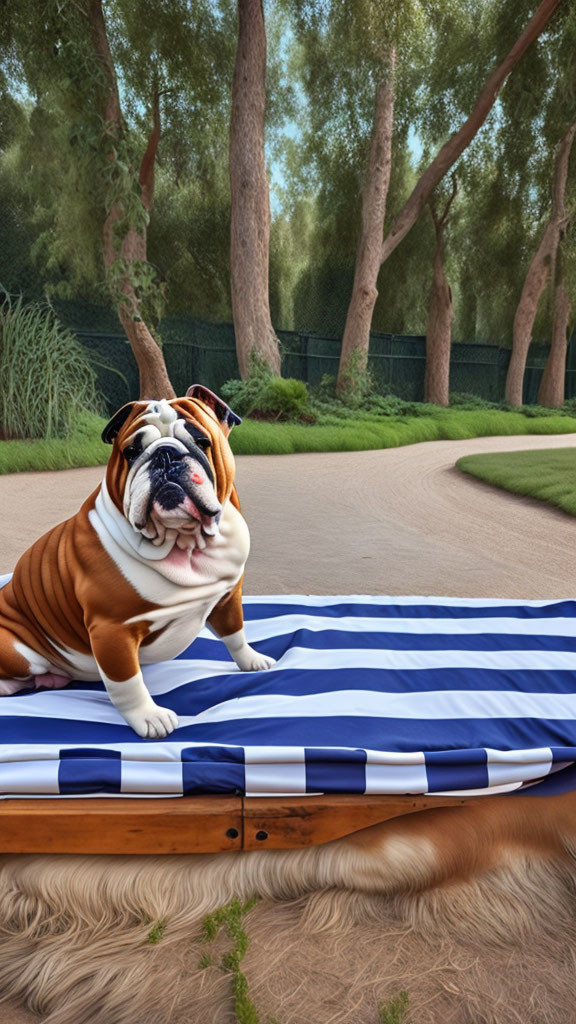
point(199, 824)
point(107, 825)
point(287, 823)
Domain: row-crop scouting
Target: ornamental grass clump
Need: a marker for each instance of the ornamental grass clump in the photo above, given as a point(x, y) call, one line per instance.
point(46, 377)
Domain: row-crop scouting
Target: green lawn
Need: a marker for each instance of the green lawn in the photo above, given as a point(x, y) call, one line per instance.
point(338, 435)
point(332, 434)
point(549, 474)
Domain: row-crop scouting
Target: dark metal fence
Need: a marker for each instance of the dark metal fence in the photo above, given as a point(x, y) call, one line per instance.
point(198, 352)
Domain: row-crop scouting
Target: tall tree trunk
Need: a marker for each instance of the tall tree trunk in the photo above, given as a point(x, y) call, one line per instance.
point(539, 272)
point(354, 353)
point(553, 383)
point(249, 193)
point(131, 248)
point(440, 316)
point(359, 328)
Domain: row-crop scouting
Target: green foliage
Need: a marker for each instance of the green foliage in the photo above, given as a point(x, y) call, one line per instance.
point(47, 378)
point(367, 432)
point(156, 932)
point(266, 396)
point(394, 1011)
point(546, 474)
point(231, 918)
point(81, 447)
point(62, 167)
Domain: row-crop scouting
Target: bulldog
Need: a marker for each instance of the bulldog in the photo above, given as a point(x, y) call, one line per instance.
point(155, 553)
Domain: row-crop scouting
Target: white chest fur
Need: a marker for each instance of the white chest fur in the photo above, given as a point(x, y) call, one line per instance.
point(184, 594)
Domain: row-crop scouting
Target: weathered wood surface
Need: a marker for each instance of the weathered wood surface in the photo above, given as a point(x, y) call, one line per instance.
point(200, 824)
point(284, 823)
point(107, 825)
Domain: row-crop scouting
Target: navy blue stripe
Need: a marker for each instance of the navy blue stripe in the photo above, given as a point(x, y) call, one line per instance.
point(225, 777)
point(391, 734)
point(234, 755)
point(335, 777)
point(320, 640)
point(89, 775)
point(447, 777)
point(84, 752)
point(193, 698)
point(558, 782)
point(412, 611)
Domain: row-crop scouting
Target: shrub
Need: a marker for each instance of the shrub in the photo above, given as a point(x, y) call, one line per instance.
point(47, 378)
point(264, 396)
point(469, 401)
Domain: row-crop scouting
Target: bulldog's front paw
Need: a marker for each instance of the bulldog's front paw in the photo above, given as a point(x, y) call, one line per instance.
point(250, 660)
point(152, 722)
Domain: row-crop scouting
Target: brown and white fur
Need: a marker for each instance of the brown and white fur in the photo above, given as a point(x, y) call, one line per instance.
point(471, 909)
point(153, 554)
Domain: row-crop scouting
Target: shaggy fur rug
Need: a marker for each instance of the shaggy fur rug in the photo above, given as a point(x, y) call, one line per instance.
point(112, 940)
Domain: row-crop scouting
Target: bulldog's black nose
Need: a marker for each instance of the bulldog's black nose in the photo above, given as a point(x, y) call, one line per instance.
point(170, 496)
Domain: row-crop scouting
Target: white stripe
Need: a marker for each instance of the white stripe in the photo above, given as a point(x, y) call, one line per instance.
point(317, 600)
point(165, 777)
point(499, 774)
point(433, 705)
point(157, 751)
point(26, 776)
point(275, 778)
point(502, 661)
point(280, 625)
point(430, 704)
point(274, 755)
point(389, 778)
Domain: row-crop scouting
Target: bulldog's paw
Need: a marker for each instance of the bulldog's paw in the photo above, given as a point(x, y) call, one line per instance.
point(152, 722)
point(250, 660)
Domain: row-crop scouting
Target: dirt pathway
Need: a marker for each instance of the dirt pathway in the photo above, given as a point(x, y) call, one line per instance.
point(398, 521)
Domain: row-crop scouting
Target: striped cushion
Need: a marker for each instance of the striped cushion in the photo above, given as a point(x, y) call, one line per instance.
point(383, 695)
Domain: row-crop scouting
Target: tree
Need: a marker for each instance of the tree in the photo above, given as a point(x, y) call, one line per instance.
point(440, 314)
point(358, 332)
point(364, 292)
point(250, 203)
point(552, 386)
point(126, 219)
point(176, 55)
point(539, 270)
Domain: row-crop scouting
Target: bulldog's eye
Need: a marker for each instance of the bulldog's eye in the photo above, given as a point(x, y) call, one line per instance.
point(131, 452)
point(198, 438)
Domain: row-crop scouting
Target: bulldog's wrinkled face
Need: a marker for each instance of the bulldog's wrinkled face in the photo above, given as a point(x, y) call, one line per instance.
point(170, 483)
point(166, 468)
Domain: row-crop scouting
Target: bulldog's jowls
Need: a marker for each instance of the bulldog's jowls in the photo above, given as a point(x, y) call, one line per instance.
point(153, 555)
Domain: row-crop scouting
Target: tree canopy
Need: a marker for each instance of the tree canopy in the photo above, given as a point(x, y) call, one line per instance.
point(323, 61)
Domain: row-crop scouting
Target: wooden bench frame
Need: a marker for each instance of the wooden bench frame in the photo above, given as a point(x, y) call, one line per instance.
point(198, 824)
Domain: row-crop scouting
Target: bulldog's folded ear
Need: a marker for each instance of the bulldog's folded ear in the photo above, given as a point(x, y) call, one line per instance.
point(113, 427)
point(223, 412)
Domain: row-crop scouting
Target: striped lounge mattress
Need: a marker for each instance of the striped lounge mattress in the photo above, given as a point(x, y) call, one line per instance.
point(378, 695)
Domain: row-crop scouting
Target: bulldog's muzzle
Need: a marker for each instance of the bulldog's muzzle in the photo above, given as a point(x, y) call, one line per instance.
point(183, 484)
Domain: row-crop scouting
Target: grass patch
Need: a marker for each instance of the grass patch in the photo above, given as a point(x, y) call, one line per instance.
point(549, 474)
point(82, 447)
point(231, 917)
point(156, 932)
point(368, 432)
point(359, 431)
point(394, 1012)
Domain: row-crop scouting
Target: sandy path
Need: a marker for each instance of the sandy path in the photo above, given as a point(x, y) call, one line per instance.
point(398, 521)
